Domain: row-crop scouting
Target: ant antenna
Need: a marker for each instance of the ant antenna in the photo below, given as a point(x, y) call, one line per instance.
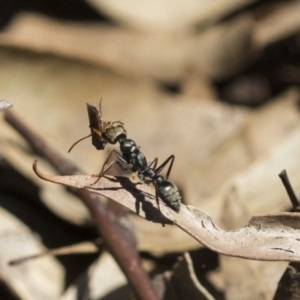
point(79, 142)
point(100, 107)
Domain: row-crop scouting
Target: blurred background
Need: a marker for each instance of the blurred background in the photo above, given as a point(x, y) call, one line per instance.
point(216, 83)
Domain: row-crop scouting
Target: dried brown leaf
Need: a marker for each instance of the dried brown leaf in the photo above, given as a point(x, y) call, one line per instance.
point(161, 16)
point(269, 237)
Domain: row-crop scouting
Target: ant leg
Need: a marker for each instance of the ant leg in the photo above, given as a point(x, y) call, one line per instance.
point(142, 174)
point(106, 167)
point(154, 161)
point(120, 157)
point(117, 122)
point(108, 158)
point(123, 160)
point(161, 215)
point(162, 166)
point(100, 107)
point(100, 175)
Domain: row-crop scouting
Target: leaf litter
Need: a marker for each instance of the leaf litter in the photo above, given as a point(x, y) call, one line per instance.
point(243, 163)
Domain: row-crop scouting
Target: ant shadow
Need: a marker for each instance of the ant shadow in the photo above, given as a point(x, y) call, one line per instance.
point(152, 213)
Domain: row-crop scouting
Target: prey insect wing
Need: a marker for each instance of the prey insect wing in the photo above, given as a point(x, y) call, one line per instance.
point(96, 127)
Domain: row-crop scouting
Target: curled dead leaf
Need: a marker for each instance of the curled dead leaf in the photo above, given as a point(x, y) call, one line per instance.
point(267, 237)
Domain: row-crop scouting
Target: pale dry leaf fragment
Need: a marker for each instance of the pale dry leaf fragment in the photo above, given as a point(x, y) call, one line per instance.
point(258, 186)
point(281, 23)
point(103, 278)
point(183, 283)
point(264, 130)
point(198, 86)
point(4, 105)
point(106, 271)
point(40, 279)
point(217, 52)
point(223, 50)
point(164, 16)
point(252, 280)
point(20, 156)
point(127, 53)
point(269, 146)
point(269, 237)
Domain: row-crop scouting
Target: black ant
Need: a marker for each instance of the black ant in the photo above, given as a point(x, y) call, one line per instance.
point(103, 132)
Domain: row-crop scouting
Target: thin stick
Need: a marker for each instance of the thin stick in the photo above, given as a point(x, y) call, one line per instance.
point(81, 248)
point(290, 191)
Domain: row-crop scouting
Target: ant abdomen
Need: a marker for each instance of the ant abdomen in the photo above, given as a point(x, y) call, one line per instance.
point(168, 192)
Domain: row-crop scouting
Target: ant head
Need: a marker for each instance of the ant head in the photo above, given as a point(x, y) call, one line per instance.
point(97, 139)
